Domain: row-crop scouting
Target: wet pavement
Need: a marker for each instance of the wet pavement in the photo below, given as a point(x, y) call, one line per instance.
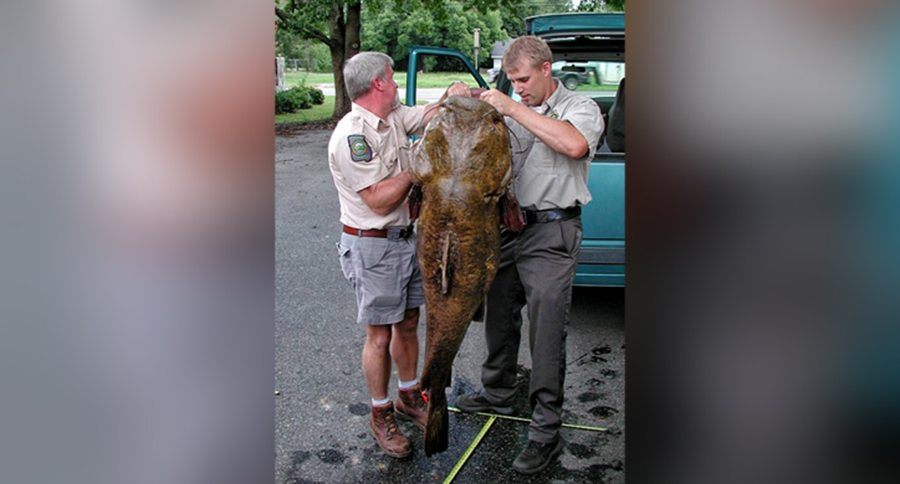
point(322, 406)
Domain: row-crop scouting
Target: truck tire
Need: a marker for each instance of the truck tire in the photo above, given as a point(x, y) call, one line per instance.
point(571, 82)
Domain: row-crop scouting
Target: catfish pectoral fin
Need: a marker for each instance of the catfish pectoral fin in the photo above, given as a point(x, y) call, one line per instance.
point(415, 201)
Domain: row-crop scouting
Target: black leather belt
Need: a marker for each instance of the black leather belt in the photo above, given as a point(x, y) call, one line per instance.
point(390, 233)
point(551, 215)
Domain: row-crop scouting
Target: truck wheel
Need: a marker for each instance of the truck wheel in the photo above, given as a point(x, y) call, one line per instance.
point(570, 82)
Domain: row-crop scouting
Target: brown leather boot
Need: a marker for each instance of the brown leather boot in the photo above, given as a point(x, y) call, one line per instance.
point(386, 432)
point(411, 406)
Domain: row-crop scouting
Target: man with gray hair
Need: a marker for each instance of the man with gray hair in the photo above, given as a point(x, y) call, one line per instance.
point(369, 157)
point(556, 132)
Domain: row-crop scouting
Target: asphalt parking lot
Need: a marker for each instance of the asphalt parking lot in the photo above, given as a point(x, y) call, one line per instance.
point(321, 402)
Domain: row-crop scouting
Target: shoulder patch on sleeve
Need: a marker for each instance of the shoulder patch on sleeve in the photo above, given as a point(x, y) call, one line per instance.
point(359, 148)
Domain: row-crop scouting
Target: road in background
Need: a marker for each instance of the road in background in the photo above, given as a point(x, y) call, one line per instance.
point(427, 94)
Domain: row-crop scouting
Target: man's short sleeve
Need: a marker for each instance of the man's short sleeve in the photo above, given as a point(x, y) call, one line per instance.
point(585, 116)
point(413, 118)
point(359, 162)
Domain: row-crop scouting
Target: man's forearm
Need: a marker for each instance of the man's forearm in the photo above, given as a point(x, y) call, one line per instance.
point(430, 111)
point(560, 136)
point(385, 196)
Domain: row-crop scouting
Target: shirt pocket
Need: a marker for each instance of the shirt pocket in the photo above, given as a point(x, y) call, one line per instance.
point(542, 158)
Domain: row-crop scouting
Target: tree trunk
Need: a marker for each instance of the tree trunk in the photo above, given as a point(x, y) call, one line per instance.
point(345, 44)
point(351, 29)
point(338, 56)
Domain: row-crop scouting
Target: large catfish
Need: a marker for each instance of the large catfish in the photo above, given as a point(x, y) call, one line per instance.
point(463, 164)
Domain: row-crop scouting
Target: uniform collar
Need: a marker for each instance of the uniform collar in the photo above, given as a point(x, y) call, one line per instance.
point(370, 118)
point(559, 94)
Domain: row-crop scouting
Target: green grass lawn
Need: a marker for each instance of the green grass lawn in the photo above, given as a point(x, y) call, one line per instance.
point(425, 79)
point(595, 87)
point(292, 78)
point(315, 113)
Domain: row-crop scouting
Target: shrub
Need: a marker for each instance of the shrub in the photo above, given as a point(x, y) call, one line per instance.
point(296, 98)
point(285, 102)
point(316, 95)
point(301, 96)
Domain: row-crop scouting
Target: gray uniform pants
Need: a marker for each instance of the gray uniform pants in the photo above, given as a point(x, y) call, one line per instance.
point(536, 267)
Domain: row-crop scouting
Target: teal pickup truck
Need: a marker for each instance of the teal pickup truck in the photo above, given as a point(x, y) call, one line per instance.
point(577, 38)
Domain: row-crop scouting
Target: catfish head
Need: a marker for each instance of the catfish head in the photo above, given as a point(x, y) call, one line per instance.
point(465, 148)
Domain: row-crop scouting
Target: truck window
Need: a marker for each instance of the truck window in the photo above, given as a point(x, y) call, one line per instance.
point(435, 69)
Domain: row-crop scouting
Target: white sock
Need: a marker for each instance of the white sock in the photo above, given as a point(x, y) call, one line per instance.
point(406, 385)
point(378, 403)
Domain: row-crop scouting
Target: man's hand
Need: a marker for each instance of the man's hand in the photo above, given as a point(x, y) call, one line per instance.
point(501, 102)
point(457, 88)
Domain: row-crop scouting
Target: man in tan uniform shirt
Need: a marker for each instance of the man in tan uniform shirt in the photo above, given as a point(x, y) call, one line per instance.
point(555, 134)
point(368, 156)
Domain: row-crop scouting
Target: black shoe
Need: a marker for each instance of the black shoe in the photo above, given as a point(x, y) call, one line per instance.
point(536, 456)
point(476, 402)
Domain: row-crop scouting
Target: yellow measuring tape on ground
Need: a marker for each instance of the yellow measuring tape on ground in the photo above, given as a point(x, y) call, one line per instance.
point(521, 419)
point(462, 460)
point(484, 430)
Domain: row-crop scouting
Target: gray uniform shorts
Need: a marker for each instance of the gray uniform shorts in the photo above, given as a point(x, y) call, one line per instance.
point(385, 275)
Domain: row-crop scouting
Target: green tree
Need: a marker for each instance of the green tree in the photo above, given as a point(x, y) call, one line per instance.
point(514, 15)
point(333, 23)
point(314, 56)
point(387, 31)
point(287, 44)
point(601, 6)
point(337, 25)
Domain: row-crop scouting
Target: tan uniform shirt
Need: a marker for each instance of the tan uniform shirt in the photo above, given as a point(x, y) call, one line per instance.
point(365, 149)
point(544, 178)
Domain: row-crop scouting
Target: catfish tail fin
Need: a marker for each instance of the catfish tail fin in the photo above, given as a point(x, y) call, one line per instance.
point(436, 428)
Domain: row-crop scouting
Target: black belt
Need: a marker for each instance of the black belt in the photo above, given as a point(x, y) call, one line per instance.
point(390, 233)
point(551, 215)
